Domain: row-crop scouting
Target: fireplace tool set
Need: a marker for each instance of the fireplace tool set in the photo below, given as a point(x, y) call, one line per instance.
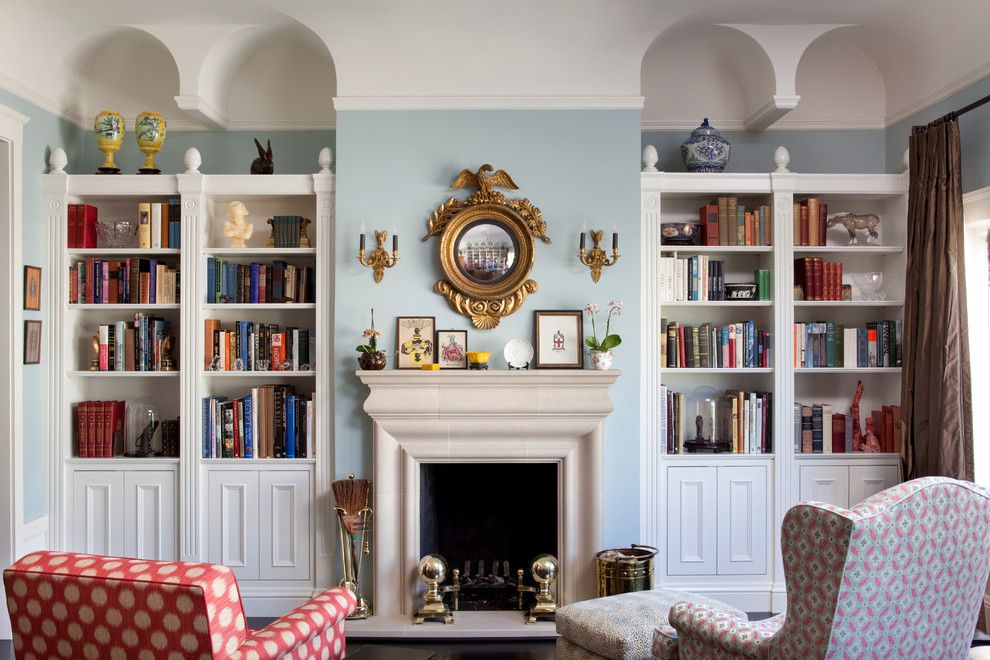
point(353, 507)
point(433, 571)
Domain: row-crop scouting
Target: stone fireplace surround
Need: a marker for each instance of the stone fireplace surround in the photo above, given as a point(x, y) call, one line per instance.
point(420, 417)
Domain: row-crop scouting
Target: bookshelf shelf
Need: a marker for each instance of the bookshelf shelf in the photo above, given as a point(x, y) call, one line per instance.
point(260, 252)
point(703, 370)
point(123, 307)
point(716, 303)
point(242, 462)
point(848, 250)
point(848, 303)
point(716, 249)
point(848, 456)
point(103, 463)
point(847, 370)
point(80, 373)
point(256, 306)
point(123, 252)
point(259, 374)
point(699, 457)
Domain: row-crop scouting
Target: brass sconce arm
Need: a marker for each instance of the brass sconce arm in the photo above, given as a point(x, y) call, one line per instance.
point(597, 259)
point(379, 258)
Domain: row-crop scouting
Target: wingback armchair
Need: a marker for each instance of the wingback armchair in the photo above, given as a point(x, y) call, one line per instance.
point(87, 606)
point(901, 574)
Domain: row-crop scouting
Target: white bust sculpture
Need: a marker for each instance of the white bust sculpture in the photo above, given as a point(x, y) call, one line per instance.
point(236, 228)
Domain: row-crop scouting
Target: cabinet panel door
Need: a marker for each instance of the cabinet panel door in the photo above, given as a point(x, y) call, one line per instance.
point(149, 515)
point(233, 521)
point(868, 480)
point(284, 525)
point(825, 483)
point(691, 520)
point(98, 512)
point(742, 520)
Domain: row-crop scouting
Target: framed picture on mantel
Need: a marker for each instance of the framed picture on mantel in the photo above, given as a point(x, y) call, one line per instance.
point(558, 336)
point(414, 337)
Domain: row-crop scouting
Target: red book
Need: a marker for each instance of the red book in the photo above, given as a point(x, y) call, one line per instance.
point(708, 215)
point(888, 429)
point(71, 231)
point(838, 433)
point(895, 413)
point(804, 224)
point(878, 427)
point(82, 449)
point(681, 350)
point(822, 222)
point(838, 281)
point(809, 278)
point(91, 428)
point(117, 426)
point(86, 220)
point(817, 263)
point(237, 430)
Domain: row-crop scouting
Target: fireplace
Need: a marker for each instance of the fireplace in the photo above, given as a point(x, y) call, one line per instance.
point(528, 424)
point(488, 520)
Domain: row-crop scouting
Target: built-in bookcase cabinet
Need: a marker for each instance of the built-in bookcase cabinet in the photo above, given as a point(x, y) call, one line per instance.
point(694, 504)
point(258, 515)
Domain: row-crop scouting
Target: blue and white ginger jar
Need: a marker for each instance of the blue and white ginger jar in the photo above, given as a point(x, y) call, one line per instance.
point(706, 150)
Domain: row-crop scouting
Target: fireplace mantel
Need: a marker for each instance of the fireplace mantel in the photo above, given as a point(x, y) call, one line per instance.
point(548, 415)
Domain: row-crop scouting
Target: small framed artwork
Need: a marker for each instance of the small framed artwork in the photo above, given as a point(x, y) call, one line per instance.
point(559, 339)
point(32, 342)
point(452, 349)
point(32, 288)
point(414, 338)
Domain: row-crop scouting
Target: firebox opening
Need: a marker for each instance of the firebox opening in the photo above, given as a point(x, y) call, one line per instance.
point(484, 518)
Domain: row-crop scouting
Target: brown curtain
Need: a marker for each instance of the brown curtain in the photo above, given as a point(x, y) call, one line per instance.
point(935, 383)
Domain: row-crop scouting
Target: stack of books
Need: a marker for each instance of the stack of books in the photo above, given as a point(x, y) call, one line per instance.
point(810, 222)
point(160, 224)
point(277, 282)
point(829, 345)
point(287, 231)
point(133, 345)
point(123, 281)
point(727, 222)
point(743, 420)
point(818, 279)
point(728, 346)
point(256, 346)
point(99, 429)
point(271, 422)
point(819, 430)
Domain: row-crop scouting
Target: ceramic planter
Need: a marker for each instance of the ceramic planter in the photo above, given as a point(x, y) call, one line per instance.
point(601, 360)
point(372, 361)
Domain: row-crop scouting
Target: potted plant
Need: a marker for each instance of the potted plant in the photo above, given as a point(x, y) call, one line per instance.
point(370, 358)
point(601, 351)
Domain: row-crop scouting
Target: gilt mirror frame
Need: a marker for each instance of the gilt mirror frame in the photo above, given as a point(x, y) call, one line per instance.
point(485, 303)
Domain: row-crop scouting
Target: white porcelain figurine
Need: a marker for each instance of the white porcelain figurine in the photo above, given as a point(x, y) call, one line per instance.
point(236, 228)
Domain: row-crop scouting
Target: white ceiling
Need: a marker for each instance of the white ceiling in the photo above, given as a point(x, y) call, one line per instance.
point(273, 64)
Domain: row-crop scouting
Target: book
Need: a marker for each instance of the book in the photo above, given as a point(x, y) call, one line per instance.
point(708, 215)
point(144, 225)
point(87, 219)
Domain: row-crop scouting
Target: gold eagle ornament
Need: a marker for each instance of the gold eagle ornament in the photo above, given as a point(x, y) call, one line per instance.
point(484, 182)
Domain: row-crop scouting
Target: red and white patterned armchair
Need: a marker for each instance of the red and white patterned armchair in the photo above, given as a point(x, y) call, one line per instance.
point(87, 606)
point(901, 574)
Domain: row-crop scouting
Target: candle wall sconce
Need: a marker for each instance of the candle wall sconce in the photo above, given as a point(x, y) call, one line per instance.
point(379, 258)
point(596, 259)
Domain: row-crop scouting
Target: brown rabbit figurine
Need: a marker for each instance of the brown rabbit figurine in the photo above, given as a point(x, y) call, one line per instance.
point(263, 164)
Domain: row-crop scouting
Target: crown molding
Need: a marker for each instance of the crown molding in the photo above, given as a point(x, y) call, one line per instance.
point(13, 115)
point(488, 103)
point(977, 195)
point(785, 124)
point(46, 103)
point(973, 77)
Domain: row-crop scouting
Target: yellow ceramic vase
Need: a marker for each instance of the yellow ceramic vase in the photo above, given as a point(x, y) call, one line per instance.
point(109, 129)
point(149, 130)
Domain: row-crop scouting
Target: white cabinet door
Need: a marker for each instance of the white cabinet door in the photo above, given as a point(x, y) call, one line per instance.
point(691, 520)
point(284, 525)
point(233, 521)
point(868, 480)
point(825, 483)
point(98, 512)
point(743, 508)
point(149, 514)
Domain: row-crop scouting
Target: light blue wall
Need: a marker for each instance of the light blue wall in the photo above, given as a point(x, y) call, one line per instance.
point(974, 135)
point(42, 133)
point(295, 152)
point(811, 151)
point(394, 168)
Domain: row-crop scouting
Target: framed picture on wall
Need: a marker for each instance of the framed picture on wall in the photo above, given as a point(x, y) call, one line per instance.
point(558, 336)
point(32, 342)
point(414, 337)
point(452, 349)
point(32, 288)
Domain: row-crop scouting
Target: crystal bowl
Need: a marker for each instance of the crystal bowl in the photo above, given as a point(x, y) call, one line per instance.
point(870, 286)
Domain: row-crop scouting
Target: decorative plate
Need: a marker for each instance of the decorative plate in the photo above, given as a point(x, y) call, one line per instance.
point(518, 353)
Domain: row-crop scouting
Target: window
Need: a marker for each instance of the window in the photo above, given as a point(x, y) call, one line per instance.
point(976, 216)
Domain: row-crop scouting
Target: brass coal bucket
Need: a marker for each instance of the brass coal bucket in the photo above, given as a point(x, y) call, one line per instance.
point(622, 570)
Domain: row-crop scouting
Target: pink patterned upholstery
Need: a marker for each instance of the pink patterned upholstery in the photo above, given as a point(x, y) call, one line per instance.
point(901, 574)
point(86, 606)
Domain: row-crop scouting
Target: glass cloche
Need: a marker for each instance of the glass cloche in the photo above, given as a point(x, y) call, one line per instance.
point(703, 429)
point(144, 432)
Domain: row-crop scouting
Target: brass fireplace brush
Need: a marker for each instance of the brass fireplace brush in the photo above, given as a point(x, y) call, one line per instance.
point(353, 497)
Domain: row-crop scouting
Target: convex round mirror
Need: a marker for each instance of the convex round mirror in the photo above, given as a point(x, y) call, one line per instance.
point(486, 251)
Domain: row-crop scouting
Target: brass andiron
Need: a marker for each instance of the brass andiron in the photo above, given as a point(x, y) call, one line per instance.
point(353, 497)
point(379, 259)
point(544, 571)
point(433, 571)
point(597, 259)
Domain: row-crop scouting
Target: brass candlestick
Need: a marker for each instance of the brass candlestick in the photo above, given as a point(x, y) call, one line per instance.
point(597, 259)
point(379, 259)
point(544, 571)
point(433, 571)
point(353, 497)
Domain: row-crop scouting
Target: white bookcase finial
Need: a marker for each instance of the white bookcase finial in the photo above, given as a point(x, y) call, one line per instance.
point(193, 160)
point(650, 158)
point(325, 160)
point(57, 161)
point(781, 158)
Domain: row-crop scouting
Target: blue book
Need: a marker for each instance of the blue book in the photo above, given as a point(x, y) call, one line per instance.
point(232, 282)
point(97, 282)
point(750, 344)
point(290, 426)
point(211, 280)
point(248, 427)
point(206, 427)
point(255, 280)
point(152, 280)
point(243, 342)
point(861, 347)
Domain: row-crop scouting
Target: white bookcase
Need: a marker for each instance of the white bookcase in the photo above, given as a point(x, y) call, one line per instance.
point(259, 516)
point(716, 517)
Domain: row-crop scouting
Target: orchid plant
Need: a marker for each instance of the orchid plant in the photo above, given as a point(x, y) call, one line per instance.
point(609, 341)
point(371, 334)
